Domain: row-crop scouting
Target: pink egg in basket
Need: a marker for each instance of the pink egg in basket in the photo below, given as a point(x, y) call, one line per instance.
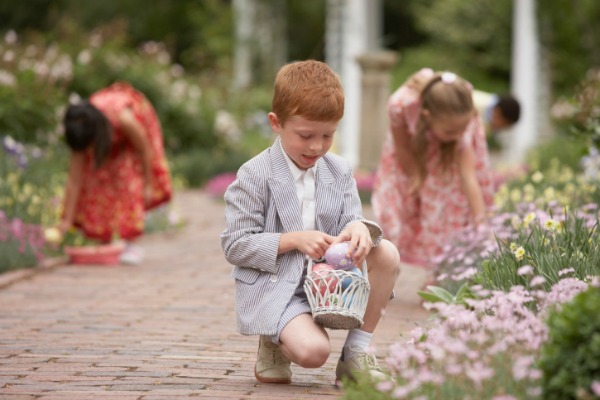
point(104, 254)
point(336, 256)
point(323, 279)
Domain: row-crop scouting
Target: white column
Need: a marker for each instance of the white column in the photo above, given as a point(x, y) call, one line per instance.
point(243, 13)
point(525, 79)
point(353, 28)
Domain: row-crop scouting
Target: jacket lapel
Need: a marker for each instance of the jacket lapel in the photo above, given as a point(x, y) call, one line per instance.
point(326, 198)
point(283, 190)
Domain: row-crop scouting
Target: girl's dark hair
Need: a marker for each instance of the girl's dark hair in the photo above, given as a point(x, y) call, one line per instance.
point(85, 125)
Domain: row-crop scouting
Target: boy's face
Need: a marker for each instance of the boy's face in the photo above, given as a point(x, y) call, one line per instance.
point(303, 140)
point(498, 122)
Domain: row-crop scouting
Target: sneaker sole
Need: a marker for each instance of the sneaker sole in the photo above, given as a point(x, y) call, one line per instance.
point(282, 381)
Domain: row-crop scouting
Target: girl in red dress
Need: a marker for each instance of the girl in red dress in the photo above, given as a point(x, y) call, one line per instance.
point(434, 176)
point(118, 169)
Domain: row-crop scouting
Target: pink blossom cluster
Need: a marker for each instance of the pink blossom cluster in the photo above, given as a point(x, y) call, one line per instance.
point(217, 185)
point(25, 235)
point(470, 347)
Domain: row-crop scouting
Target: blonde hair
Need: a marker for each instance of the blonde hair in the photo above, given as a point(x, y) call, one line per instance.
point(309, 89)
point(444, 95)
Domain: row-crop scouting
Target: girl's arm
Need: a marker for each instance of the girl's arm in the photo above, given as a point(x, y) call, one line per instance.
point(72, 189)
point(136, 133)
point(466, 165)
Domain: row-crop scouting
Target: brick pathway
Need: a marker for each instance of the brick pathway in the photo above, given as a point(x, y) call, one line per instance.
point(161, 330)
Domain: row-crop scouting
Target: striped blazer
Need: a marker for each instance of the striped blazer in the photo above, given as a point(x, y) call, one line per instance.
point(260, 205)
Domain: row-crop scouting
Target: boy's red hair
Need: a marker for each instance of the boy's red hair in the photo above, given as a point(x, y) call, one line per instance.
point(309, 89)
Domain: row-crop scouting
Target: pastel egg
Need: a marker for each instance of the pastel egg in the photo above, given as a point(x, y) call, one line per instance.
point(324, 282)
point(336, 256)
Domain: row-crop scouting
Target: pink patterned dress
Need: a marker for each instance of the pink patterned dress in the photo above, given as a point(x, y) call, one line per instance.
point(111, 200)
point(422, 224)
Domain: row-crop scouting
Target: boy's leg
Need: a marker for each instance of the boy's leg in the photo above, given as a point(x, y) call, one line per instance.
point(271, 365)
point(384, 266)
point(304, 342)
point(301, 341)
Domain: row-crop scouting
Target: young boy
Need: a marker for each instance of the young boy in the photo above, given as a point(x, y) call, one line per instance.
point(289, 204)
point(497, 112)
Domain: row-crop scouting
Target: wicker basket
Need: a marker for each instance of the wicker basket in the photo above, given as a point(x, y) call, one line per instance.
point(338, 298)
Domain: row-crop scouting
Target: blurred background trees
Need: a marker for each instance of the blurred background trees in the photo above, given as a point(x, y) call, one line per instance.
point(181, 54)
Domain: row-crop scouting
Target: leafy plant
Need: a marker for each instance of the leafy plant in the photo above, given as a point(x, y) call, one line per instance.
point(570, 359)
point(543, 251)
point(439, 294)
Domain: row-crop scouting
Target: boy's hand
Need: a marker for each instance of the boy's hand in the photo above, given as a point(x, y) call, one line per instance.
point(312, 243)
point(359, 237)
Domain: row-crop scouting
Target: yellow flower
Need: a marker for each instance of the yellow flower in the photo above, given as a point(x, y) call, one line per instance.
point(52, 235)
point(515, 195)
point(552, 225)
point(528, 218)
point(519, 253)
point(513, 246)
point(537, 177)
point(515, 221)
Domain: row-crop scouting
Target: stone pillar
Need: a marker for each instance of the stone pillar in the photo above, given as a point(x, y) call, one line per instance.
point(376, 81)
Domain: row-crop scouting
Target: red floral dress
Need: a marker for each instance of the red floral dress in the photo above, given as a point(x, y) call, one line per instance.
point(422, 225)
point(111, 199)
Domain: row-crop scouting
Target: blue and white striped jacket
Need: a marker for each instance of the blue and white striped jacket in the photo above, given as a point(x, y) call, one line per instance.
point(261, 205)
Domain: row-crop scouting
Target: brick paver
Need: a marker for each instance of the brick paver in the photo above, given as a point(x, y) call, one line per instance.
point(161, 330)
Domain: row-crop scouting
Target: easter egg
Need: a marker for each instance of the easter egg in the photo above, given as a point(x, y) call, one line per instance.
point(347, 280)
point(323, 280)
point(337, 256)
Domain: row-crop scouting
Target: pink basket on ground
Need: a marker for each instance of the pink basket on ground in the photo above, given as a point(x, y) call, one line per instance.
point(105, 254)
point(338, 298)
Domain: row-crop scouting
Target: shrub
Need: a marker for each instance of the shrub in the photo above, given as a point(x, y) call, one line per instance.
point(570, 359)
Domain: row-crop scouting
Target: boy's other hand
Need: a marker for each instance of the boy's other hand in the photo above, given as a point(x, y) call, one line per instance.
point(359, 237)
point(313, 243)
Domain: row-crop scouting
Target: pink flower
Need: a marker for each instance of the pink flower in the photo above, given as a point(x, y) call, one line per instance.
point(536, 281)
point(525, 270)
point(596, 388)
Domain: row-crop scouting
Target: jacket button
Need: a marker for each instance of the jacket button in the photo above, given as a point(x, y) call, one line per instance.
point(273, 278)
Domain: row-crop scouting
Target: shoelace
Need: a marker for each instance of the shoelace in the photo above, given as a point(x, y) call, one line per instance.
point(367, 360)
point(275, 353)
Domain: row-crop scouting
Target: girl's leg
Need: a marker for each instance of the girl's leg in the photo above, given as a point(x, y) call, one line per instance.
point(304, 342)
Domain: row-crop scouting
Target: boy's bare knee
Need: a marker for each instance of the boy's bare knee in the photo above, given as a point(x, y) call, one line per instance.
point(385, 259)
point(313, 355)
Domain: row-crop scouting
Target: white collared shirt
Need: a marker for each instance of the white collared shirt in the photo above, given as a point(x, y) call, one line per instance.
point(305, 190)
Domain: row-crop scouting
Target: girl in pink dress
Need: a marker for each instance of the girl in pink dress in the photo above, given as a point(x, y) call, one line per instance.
point(433, 177)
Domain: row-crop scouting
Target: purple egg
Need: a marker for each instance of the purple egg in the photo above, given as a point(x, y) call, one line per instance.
point(336, 256)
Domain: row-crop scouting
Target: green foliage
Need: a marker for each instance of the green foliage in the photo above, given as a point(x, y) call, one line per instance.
point(570, 359)
point(16, 254)
point(570, 31)
point(198, 165)
point(438, 294)
point(32, 191)
point(548, 249)
point(479, 30)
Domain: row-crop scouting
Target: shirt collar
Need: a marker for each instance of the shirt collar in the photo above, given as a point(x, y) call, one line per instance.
point(297, 173)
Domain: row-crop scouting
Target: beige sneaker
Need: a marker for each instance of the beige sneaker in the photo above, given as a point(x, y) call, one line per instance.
point(271, 365)
point(360, 361)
